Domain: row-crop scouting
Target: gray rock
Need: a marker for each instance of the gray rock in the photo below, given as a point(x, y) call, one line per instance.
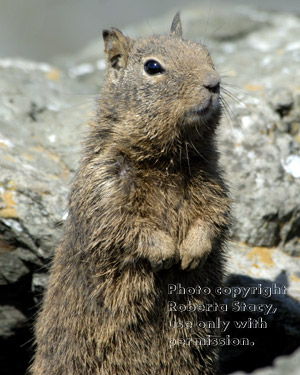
point(43, 111)
point(41, 124)
point(39, 283)
point(281, 100)
point(12, 269)
point(265, 186)
point(11, 320)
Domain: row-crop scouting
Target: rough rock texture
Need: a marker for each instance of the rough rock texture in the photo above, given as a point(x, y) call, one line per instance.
point(40, 128)
point(43, 111)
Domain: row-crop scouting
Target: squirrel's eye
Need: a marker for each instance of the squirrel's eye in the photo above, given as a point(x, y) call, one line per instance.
point(153, 67)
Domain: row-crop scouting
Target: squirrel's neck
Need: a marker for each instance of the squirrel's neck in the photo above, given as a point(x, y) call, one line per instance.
point(186, 158)
point(184, 151)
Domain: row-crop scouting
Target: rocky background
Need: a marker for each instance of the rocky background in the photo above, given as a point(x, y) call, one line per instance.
point(44, 111)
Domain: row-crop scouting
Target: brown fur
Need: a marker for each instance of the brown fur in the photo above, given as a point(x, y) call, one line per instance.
point(148, 207)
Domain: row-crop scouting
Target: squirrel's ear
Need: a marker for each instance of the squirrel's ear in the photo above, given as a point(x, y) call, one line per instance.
point(176, 28)
point(117, 48)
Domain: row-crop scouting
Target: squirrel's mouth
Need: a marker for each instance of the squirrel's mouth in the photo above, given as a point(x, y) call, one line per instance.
point(203, 111)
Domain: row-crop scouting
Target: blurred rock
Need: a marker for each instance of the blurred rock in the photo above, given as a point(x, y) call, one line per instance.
point(43, 112)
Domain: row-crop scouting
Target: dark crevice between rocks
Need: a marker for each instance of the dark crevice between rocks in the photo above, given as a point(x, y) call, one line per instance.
point(283, 110)
point(15, 352)
point(35, 111)
point(16, 346)
point(294, 231)
point(281, 337)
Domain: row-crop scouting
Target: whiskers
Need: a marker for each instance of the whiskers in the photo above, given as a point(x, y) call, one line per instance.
point(197, 151)
point(227, 97)
point(187, 157)
point(83, 102)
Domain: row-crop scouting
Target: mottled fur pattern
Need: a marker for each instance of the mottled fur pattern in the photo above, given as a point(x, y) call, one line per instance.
point(148, 207)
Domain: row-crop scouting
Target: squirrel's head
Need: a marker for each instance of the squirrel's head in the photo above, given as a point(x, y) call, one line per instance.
point(161, 89)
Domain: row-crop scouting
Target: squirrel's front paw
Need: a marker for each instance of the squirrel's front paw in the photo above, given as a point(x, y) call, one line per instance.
point(196, 247)
point(160, 250)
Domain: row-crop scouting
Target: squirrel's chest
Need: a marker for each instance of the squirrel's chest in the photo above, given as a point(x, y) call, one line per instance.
point(160, 193)
point(164, 200)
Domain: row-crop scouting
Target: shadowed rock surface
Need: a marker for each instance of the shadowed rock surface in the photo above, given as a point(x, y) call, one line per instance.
point(43, 112)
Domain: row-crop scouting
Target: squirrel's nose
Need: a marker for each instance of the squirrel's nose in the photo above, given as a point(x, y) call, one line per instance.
point(212, 82)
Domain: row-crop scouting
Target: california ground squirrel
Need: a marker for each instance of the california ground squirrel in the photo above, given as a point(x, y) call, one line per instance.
point(148, 208)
